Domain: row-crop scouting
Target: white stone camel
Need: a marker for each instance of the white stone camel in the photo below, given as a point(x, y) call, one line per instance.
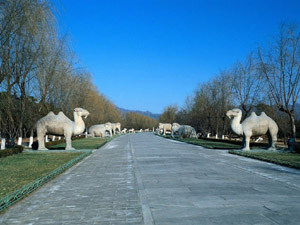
point(61, 125)
point(253, 126)
point(164, 127)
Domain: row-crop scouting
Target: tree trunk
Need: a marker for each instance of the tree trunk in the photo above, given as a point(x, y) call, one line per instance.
point(292, 124)
point(217, 125)
point(22, 109)
point(285, 138)
point(209, 123)
point(223, 125)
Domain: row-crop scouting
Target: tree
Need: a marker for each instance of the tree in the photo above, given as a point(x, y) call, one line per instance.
point(246, 84)
point(169, 114)
point(23, 27)
point(280, 67)
point(225, 98)
point(138, 121)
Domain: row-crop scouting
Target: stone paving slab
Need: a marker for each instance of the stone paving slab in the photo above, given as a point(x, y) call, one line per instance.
point(101, 189)
point(187, 184)
point(145, 179)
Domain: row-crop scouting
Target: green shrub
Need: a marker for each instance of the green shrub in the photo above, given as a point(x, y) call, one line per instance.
point(11, 151)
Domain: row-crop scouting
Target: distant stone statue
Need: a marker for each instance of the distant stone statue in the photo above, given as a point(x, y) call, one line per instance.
point(174, 129)
point(253, 126)
point(116, 127)
point(60, 125)
point(164, 127)
point(131, 130)
point(183, 131)
point(100, 130)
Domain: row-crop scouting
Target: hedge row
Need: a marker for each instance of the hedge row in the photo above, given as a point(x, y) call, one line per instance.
point(11, 151)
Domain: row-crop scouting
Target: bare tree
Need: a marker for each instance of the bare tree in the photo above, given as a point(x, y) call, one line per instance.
point(246, 84)
point(224, 95)
point(280, 66)
point(25, 26)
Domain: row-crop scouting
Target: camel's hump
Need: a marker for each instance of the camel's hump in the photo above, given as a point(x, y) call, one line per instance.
point(253, 114)
point(61, 117)
point(50, 114)
point(263, 114)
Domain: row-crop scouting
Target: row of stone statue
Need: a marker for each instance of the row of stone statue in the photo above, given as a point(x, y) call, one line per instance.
point(252, 126)
point(176, 130)
point(61, 125)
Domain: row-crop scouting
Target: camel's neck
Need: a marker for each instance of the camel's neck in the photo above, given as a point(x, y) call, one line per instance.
point(236, 125)
point(79, 124)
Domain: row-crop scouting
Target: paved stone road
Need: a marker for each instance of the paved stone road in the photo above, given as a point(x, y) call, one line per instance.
point(145, 179)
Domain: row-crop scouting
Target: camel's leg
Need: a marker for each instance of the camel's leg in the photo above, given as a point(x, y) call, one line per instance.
point(68, 141)
point(247, 143)
point(40, 136)
point(243, 142)
point(272, 136)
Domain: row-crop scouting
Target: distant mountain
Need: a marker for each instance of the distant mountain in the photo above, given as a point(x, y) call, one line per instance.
point(145, 113)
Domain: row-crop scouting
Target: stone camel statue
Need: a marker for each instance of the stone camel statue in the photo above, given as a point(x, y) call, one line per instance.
point(61, 125)
point(163, 127)
point(252, 126)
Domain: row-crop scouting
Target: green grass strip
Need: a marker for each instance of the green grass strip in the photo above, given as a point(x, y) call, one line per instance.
point(19, 194)
point(205, 143)
point(84, 143)
point(288, 159)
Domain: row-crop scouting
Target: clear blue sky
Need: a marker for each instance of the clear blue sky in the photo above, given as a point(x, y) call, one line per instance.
point(146, 55)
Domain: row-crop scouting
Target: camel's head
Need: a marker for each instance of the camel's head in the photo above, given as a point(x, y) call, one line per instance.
point(81, 112)
point(234, 113)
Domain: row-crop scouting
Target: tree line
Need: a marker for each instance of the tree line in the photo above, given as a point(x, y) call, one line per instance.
point(38, 72)
point(268, 80)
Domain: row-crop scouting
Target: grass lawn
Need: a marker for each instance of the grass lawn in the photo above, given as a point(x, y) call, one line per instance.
point(210, 144)
point(281, 158)
point(206, 143)
point(18, 170)
point(84, 143)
